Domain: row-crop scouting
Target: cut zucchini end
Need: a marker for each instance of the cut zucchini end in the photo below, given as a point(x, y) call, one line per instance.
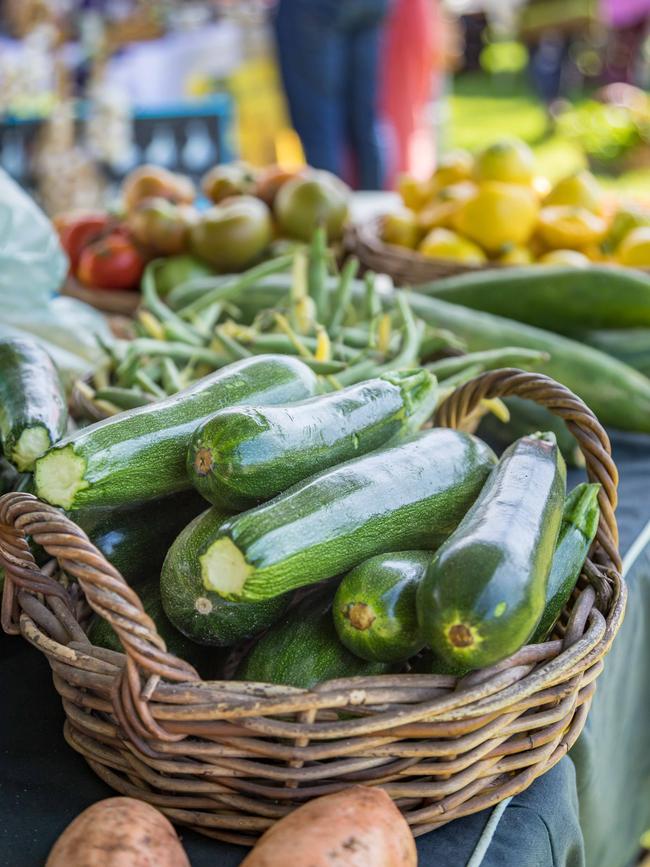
point(31, 445)
point(224, 569)
point(360, 616)
point(59, 477)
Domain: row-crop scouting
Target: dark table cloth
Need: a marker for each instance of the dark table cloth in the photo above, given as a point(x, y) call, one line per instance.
point(588, 810)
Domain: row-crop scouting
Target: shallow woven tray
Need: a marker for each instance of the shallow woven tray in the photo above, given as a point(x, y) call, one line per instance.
point(107, 300)
point(229, 758)
point(408, 267)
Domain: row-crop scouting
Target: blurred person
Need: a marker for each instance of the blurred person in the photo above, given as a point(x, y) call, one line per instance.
point(627, 25)
point(419, 41)
point(329, 59)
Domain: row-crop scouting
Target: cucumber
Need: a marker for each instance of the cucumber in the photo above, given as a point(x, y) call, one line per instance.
point(526, 417)
point(140, 454)
point(485, 591)
point(374, 607)
point(135, 540)
point(244, 455)
point(33, 412)
point(617, 394)
point(558, 298)
point(577, 532)
point(411, 495)
point(207, 661)
point(630, 345)
point(201, 614)
point(303, 648)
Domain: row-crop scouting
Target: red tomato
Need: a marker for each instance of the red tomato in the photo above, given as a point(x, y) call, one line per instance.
point(112, 263)
point(77, 232)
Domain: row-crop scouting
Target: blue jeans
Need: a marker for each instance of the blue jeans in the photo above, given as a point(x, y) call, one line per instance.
point(329, 57)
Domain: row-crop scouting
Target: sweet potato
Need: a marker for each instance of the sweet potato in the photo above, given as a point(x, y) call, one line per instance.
point(118, 832)
point(359, 827)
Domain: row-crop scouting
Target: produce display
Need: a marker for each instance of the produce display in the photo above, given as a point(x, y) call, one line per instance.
point(493, 208)
point(229, 225)
point(267, 473)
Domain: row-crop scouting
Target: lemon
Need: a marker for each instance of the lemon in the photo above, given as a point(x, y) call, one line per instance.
point(581, 190)
point(401, 228)
point(625, 219)
point(441, 210)
point(415, 193)
point(498, 214)
point(453, 167)
point(514, 254)
point(563, 226)
point(445, 244)
point(634, 250)
point(565, 257)
point(509, 160)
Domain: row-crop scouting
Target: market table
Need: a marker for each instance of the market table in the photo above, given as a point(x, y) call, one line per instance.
point(590, 809)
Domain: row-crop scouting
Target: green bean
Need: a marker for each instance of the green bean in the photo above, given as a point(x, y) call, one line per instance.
point(232, 346)
point(171, 378)
point(155, 305)
point(438, 340)
point(280, 343)
point(341, 297)
point(490, 359)
point(371, 301)
point(205, 321)
point(325, 368)
point(231, 289)
point(176, 351)
point(317, 272)
point(190, 290)
point(148, 384)
point(123, 398)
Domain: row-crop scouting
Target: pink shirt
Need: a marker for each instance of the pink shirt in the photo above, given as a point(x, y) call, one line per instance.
point(621, 13)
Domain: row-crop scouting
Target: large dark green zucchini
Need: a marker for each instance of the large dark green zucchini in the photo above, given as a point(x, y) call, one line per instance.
point(630, 345)
point(207, 661)
point(140, 454)
point(33, 412)
point(374, 608)
point(135, 540)
point(559, 298)
point(244, 455)
point(618, 394)
point(579, 525)
point(201, 614)
point(303, 648)
point(485, 591)
point(411, 495)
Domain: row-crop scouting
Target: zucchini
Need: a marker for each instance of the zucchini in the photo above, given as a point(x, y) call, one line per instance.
point(485, 591)
point(630, 345)
point(526, 417)
point(198, 613)
point(303, 649)
point(33, 412)
point(244, 455)
point(411, 495)
point(135, 540)
point(374, 607)
point(577, 532)
point(207, 661)
point(560, 298)
point(140, 454)
point(617, 394)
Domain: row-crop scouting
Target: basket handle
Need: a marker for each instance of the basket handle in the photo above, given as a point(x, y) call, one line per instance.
point(108, 594)
point(579, 419)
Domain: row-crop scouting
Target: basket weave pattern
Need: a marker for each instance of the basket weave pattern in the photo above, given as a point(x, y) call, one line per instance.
point(229, 758)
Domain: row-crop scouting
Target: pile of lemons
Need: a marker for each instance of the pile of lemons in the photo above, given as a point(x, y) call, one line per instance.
point(495, 208)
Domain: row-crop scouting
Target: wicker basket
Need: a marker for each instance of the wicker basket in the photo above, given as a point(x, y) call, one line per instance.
point(229, 758)
point(406, 267)
point(117, 301)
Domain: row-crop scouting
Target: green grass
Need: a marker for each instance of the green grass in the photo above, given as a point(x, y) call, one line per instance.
point(484, 108)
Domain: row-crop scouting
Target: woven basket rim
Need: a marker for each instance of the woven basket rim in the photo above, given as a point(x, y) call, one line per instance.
point(147, 710)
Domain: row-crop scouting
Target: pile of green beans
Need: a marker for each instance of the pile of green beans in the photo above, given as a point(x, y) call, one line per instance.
point(298, 303)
